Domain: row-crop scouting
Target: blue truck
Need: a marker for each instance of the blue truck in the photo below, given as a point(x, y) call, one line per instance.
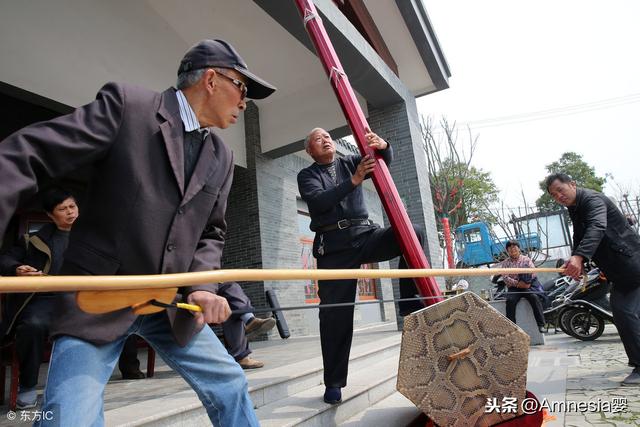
point(476, 244)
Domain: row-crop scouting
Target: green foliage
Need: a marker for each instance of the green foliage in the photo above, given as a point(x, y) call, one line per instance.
point(573, 165)
point(471, 191)
point(460, 191)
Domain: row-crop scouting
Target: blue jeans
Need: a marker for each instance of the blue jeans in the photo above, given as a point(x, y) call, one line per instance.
point(79, 371)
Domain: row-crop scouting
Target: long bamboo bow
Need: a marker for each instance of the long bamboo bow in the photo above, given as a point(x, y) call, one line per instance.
point(150, 293)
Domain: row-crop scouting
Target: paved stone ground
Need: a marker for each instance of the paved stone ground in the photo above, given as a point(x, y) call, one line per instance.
point(594, 375)
point(603, 365)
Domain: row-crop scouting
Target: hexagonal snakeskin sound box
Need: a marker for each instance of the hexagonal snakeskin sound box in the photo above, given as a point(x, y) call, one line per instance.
point(459, 354)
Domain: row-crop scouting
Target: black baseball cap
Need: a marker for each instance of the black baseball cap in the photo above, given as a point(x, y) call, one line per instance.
point(219, 53)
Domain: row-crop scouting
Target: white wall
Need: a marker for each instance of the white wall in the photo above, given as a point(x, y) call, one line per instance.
point(65, 50)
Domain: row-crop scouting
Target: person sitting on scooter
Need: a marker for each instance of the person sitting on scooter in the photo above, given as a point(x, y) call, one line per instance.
point(521, 285)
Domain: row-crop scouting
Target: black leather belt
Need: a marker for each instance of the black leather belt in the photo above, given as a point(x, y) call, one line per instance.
point(342, 224)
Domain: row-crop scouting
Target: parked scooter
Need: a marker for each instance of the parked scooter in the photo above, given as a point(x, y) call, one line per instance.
point(552, 289)
point(582, 310)
point(579, 308)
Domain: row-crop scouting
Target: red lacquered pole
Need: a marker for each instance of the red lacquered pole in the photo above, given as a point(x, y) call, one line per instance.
point(448, 244)
point(413, 253)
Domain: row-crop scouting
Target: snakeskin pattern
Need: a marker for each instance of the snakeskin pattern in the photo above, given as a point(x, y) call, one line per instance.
point(455, 393)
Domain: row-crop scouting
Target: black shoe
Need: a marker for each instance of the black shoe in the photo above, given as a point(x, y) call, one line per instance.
point(135, 375)
point(542, 329)
point(332, 395)
point(633, 379)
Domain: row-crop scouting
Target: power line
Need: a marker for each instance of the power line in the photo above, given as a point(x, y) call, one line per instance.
point(551, 113)
point(548, 116)
point(603, 103)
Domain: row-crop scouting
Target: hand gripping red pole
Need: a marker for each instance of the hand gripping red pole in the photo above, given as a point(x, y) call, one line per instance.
point(409, 243)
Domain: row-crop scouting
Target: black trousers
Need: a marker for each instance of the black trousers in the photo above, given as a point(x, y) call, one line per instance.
point(514, 295)
point(336, 324)
point(128, 362)
point(32, 332)
point(233, 329)
point(625, 306)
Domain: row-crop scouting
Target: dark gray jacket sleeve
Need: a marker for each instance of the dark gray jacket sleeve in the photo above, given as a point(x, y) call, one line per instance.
point(55, 148)
point(387, 155)
point(594, 214)
point(320, 199)
point(13, 258)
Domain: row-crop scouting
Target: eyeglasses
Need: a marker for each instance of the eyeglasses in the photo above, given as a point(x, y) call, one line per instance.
point(237, 83)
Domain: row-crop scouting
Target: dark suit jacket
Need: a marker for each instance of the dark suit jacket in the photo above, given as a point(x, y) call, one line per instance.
point(137, 218)
point(602, 233)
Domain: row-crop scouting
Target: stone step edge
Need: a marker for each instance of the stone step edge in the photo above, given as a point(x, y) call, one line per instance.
point(314, 365)
point(264, 394)
point(389, 380)
point(381, 390)
point(404, 412)
point(192, 404)
point(172, 406)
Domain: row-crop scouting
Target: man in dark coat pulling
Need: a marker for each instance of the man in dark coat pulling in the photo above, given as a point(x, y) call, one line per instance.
point(602, 233)
point(156, 204)
point(345, 238)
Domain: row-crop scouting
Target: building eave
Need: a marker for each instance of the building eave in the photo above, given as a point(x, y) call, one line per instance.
point(426, 41)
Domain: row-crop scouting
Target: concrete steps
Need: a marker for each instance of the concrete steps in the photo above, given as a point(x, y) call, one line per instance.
point(284, 394)
point(271, 385)
point(367, 386)
point(394, 410)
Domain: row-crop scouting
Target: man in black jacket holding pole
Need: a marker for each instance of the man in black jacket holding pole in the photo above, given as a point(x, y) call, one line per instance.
point(345, 238)
point(602, 234)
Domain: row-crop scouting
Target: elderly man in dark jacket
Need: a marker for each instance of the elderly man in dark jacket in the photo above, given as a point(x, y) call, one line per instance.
point(602, 234)
point(345, 238)
point(156, 204)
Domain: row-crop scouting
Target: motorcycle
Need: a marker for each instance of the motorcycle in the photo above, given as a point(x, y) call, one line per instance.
point(551, 289)
point(580, 308)
point(583, 308)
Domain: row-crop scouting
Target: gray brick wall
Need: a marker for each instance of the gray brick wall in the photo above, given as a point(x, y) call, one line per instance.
point(277, 189)
point(277, 195)
point(243, 247)
point(262, 221)
point(243, 244)
point(399, 124)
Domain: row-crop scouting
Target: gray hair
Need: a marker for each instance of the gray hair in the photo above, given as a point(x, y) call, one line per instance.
point(307, 140)
point(189, 78)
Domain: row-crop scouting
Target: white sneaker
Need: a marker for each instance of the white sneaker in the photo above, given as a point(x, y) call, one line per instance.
point(27, 400)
